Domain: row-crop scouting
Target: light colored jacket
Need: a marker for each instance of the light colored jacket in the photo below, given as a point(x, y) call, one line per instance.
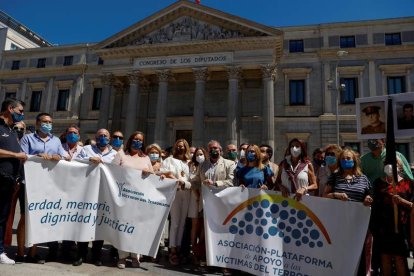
point(223, 173)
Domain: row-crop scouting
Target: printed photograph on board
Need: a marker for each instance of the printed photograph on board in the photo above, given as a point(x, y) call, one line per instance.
point(403, 105)
point(371, 118)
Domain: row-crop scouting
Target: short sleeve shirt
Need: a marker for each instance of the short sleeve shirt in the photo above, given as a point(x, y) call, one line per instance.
point(253, 177)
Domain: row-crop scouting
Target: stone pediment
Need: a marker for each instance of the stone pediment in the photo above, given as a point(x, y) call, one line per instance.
point(186, 21)
point(184, 29)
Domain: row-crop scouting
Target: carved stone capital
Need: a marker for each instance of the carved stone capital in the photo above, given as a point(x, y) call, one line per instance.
point(144, 85)
point(234, 72)
point(119, 88)
point(163, 75)
point(200, 74)
point(108, 79)
point(269, 71)
point(134, 77)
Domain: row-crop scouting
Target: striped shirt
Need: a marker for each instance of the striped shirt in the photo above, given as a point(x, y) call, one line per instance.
point(356, 189)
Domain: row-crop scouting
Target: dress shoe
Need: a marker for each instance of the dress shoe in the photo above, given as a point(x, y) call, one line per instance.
point(34, 260)
point(78, 262)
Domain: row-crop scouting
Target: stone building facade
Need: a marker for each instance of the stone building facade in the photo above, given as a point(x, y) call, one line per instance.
point(193, 72)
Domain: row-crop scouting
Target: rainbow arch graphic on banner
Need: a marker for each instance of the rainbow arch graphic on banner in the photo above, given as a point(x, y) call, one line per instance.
point(272, 215)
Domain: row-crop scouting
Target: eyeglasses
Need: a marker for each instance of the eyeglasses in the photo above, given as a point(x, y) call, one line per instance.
point(117, 136)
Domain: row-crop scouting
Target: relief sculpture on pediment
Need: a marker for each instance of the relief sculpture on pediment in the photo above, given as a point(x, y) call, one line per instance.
point(185, 29)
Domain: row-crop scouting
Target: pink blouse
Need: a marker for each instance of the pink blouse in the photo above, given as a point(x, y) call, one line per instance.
point(135, 162)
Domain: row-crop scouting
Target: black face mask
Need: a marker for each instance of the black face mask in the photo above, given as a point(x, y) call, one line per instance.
point(179, 150)
point(214, 154)
point(319, 162)
point(20, 134)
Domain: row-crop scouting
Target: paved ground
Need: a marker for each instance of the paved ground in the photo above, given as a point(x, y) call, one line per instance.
point(162, 267)
point(109, 268)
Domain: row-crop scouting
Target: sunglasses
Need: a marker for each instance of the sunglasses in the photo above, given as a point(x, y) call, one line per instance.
point(117, 136)
point(329, 154)
point(18, 129)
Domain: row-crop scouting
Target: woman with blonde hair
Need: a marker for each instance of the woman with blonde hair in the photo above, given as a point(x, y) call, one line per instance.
point(254, 174)
point(177, 166)
point(154, 153)
point(349, 184)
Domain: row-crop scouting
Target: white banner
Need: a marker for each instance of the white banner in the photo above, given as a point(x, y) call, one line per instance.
point(263, 233)
point(84, 202)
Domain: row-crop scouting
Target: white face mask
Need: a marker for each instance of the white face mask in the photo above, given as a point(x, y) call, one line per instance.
point(295, 151)
point(200, 158)
point(388, 170)
point(191, 155)
point(242, 154)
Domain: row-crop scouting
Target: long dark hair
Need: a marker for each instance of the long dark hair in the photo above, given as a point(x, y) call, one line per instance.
point(304, 154)
point(194, 158)
point(129, 144)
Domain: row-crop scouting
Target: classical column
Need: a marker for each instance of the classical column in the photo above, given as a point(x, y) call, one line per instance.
point(22, 91)
point(49, 94)
point(2, 92)
point(327, 108)
point(161, 115)
point(133, 103)
point(372, 79)
point(107, 81)
point(268, 108)
point(76, 93)
point(200, 75)
point(117, 106)
point(234, 73)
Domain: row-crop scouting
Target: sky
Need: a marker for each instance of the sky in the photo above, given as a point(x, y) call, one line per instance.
point(88, 21)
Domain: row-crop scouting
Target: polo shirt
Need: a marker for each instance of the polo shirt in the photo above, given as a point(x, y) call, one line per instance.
point(32, 144)
point(9, 141)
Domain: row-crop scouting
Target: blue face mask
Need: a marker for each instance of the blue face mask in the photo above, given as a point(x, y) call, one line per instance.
point(117, 143)
point(347, 164)
point(72, 138)
point(330, 160)
point(136, 144)
point(103, 141)
point(251, 156)
point(17, 117)
point(154, 156)
point(46, 128)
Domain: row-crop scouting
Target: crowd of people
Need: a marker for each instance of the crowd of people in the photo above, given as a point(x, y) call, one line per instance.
point(332, 171)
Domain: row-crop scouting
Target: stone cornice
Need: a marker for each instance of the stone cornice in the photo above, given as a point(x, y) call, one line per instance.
point(42, 72)
point(46, 51)
point(297, 71)
point(396, 68)
point(372, 52)
point(195, 47)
